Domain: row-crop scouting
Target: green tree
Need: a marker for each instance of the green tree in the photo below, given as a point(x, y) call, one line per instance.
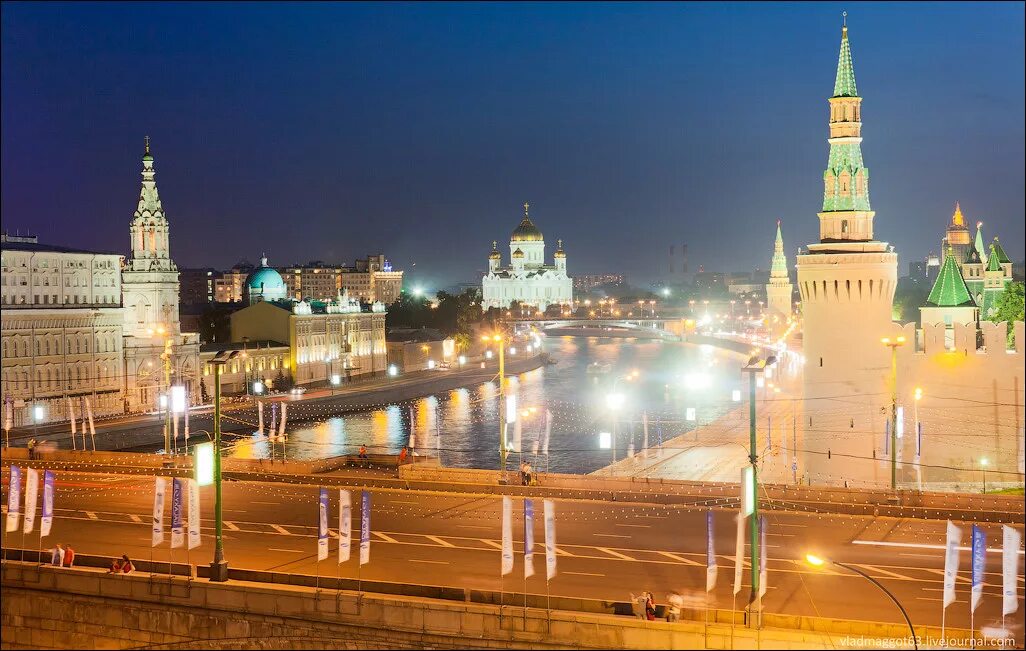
point(1009, 308)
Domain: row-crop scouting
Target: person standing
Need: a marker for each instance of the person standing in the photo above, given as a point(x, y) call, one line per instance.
point(363, 451)
point(126, 565)
point(69, 556)
point(403, 455)
point(57, 557)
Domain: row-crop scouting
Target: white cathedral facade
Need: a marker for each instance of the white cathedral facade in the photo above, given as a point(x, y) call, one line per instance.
point(527, 279)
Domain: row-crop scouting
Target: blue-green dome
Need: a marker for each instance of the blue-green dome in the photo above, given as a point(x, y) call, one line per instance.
point(265, 284)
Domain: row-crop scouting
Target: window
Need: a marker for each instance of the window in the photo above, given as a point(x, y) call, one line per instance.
point(844, 226)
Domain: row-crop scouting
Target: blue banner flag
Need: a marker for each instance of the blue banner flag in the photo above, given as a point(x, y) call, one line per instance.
point(14, 500)
point(365, 515)
point(528, 538)
point(979, 564)
point(47, 521)
point(322, 525)
point(710, 554)
point(177, 501)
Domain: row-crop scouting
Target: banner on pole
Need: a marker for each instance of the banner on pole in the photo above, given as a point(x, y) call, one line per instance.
point(281, 423)
point(345, 525)
point(177, 530)
point(710, 554)
point(71, 418)
point(762, 556)
point(158, 511)
point(739, 552)
point(365, 524)
point(260, 417)
point(979, 563)
point(194, 513)
point(548, 430)
point(31, 498)
point(550, 539)
point(954, 540)
point(507, 535)
point(528, 538)
point(322, 525)
point(89, 413)
point(13, 500)
point(1011, 539)
point(47, 520)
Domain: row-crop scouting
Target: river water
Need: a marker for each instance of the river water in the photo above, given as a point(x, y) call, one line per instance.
point(461, 426)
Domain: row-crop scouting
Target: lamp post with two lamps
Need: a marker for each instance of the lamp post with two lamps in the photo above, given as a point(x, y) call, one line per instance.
point(893, 344)
point(219, 566)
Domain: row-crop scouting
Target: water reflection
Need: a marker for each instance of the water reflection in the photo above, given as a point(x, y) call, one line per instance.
point(461, 426)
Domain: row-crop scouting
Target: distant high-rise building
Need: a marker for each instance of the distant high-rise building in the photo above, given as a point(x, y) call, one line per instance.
point(589, 282)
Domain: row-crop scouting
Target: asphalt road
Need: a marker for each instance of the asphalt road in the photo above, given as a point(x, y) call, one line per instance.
point(606, 550)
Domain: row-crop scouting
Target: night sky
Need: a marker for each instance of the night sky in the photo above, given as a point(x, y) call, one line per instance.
point(329, 132)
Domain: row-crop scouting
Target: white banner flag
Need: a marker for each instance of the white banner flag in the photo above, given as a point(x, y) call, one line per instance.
point(365, 525)
point(739, 552)
point(507, 535)
point(194, 513)
point(345, 526)
point(71, 419)
point(322, 525)
point(762, 556)
point(548, 431)
point(550, 539)
point(281, 423)
point(528, 538)
point(186, 436)
point(13, 500)
point(260, 418)
point(710, 554)
point(1010, 569)
point(518, 435)
point(158, 511)
point(31, 498)
point(47, 519)
point(954, 540)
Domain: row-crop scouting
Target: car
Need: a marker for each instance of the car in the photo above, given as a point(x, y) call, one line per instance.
point(297, 391)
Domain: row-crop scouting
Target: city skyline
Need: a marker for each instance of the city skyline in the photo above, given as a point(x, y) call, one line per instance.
point(627, 148)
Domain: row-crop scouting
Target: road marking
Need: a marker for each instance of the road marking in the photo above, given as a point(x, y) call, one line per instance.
point(135, 518)
point(418, 560)
point(402, 501)
point(267, 503)
point(443, 543)
point(278, 549)
point(581, 573)
point(473, 526)
point(385, 537)
point(616, 553)
point(611, 535)
point(231, 526)
point(885, 543)
point(490, 542)
point(686, 561)
point(91, 515)
point(563, 552)
point(876, 568)
point(280, 529)
point(941, 573)
point(639, 526)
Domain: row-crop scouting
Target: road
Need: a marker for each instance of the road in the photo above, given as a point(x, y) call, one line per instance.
point(606, 550)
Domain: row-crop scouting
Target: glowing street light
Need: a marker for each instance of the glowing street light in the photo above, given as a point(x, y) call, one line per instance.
point(893, 345)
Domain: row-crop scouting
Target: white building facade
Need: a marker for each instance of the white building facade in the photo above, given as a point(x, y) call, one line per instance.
point(527, 279)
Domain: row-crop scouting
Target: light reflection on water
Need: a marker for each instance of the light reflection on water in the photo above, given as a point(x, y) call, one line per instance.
point(461, 425)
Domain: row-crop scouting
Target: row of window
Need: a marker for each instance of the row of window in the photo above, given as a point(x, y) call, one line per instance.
point(51, 299)
point(18, 346)
point(68, 264)
point(50, 377)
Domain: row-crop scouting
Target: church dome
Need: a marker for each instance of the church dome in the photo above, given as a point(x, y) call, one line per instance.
point(526, 232)
point(265, 284)
point(560, 253)
point(495, 255)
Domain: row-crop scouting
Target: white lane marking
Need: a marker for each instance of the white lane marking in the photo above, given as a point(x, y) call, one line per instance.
point(267, 503)
point(91, 515)
point(473, 526)
point(581, 573)
point(231, 526)
point(385, 537)
point(611, 535)
point(782, 535)
point(934, 556)
point(135, 518)
point(280, 529)
point(876, 568)
point(490, 542)
point(278, 549)
point(402, 502)
point(615, 553)
point(885, 543)
point(443, 543)
point(639, 526)
point(563, 552)
point(941, 573)
point(419, 560)
point(686, 561)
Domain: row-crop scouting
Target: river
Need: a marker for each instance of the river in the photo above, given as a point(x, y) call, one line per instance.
point(461, 426)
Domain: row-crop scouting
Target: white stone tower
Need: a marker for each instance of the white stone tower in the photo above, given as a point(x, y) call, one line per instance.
point(779, 288)
point(149, 281)
point(846, 282)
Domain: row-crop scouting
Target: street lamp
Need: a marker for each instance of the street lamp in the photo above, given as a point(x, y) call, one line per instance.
point(755, 366)
point(219, 566)
point(893, 345)
point(817, 561)
point(983, 465)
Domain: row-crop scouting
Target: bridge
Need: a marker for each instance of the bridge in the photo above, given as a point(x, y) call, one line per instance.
point(650, 327)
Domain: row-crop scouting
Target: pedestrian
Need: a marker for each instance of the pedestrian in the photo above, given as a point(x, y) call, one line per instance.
point(528, 473)
point(32, 448)
point(363, 451)
point(676, 603)
point(638, 605)
point(402, 455)
point(57, 555)
point(115, 567)
point(126, 565)
point(523, 473)
point(69, 556)
point(649, 607)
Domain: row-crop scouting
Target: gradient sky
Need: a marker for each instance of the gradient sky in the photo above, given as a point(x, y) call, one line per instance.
point(325, 131)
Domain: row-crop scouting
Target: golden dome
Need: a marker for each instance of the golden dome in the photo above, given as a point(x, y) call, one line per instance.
point(526, 231)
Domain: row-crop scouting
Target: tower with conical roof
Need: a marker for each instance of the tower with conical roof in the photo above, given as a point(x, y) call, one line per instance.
point(779, 288)
point(846, 282)
point(150, 287)
point(950, 301)
point(957, 239)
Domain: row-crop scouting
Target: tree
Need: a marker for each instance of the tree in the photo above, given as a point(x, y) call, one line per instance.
point(204, 396)
point(1009, 308)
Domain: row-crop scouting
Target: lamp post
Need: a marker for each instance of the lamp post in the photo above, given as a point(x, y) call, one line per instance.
point(219, 566)
point(817, 561)
point(165, 358)
point(893, 345)
point(753, 367)
point(497, 338)
point(983, 466)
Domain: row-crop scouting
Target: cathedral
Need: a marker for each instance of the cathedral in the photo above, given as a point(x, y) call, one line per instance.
point(527, 279)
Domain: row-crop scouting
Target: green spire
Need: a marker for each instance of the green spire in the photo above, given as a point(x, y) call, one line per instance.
point(978, 243)
point(950, 290)
point(994, 260)
point(844, 84)
point(778, 268)
point(996, 248)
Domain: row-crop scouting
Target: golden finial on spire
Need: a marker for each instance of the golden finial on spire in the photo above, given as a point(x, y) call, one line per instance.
point(147, 140)
point(527, 208)
point(957, 219)
point(495, 245)
point(844, 20)
point(559, 243)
